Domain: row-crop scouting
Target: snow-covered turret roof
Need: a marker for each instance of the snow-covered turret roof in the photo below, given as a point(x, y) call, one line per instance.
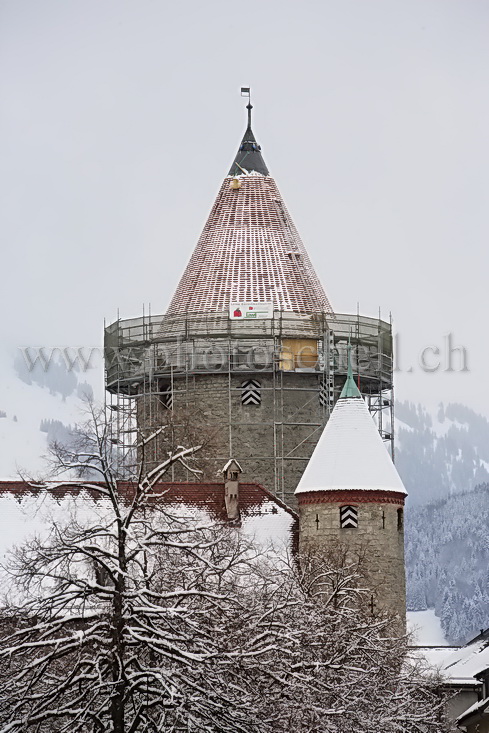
point(350, 454)
point(249, 250)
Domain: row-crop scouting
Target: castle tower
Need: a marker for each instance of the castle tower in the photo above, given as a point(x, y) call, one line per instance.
point(250, 349)
point(351, 496)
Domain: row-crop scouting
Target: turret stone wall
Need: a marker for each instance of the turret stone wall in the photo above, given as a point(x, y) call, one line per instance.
point(379, 539)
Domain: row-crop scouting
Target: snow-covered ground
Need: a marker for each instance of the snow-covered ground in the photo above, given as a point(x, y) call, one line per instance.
point(426, 628)
point(428, 634)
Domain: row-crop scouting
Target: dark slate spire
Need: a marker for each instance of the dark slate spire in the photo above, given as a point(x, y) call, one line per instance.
point(249, 157)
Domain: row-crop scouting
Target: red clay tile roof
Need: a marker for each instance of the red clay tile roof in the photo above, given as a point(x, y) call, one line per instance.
point(209, 496)
point(249, 251)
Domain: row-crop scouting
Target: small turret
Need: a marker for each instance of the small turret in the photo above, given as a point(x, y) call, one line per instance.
point(351, 495)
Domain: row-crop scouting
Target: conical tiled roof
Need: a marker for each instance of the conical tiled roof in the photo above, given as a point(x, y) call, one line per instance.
point(249, 250)
point(350, 454)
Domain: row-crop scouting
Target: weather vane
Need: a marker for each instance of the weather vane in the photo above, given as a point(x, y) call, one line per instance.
point(246, 92)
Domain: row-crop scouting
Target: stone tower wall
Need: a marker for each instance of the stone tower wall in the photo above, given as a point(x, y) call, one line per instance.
point(379, 538)
point(272, 441)
point(206, 358)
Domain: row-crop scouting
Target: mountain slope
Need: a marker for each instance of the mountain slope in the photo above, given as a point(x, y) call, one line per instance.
point(439, 455)
point(447, 562)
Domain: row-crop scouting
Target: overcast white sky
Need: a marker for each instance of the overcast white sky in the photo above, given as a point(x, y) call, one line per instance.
point(120, 118)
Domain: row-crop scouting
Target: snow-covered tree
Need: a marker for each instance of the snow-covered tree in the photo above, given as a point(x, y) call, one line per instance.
point(136, 617)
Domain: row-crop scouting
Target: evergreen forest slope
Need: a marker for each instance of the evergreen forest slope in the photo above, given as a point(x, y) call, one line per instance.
point(447, 562)
point(442, 454)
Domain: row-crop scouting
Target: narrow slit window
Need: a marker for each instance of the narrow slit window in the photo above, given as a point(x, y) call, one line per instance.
point(400, 519)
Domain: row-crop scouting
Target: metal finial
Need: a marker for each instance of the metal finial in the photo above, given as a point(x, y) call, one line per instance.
point(349, 370)
point(249, 107)
point(350, 389)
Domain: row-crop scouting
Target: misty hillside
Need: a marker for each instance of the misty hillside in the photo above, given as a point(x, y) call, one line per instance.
point(438, 455)
point(39, 405)
point(447, 562)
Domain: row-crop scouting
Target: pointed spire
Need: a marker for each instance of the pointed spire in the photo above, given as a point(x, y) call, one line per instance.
point(249, 158)
point(350, 389)
point(249, 249)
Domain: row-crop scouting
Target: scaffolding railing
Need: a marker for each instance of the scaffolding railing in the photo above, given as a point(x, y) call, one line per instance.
point(161, 328)
point(152, 346)
point(157, 356)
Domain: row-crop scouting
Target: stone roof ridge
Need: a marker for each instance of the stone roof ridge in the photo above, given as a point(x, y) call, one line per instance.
point(350, 454)
point(252, 491)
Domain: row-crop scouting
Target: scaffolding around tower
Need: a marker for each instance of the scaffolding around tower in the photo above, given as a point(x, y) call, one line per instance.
point(267, 385)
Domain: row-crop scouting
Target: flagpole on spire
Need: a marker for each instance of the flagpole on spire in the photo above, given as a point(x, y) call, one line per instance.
point(246, 92)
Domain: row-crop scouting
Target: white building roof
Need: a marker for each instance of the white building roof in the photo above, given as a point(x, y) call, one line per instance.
point(459, 666)
point(350, 454)
point(462, 666)
point(25, 513)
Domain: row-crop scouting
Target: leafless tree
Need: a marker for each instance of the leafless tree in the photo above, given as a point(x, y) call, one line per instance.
point(184, 425)
point(135, 618)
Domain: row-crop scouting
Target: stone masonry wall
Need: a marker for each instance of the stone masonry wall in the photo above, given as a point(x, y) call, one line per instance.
point(272, 441)
point(378, 537)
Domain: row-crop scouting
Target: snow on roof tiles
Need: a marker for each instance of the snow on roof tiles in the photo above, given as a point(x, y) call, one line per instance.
point(465, 663)
point(252, 496)
point(27, 511)
point(350, 454)
point(249, 251)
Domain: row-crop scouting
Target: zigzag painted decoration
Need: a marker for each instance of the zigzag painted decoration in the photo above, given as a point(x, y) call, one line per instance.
point(348, 517)
point(323, 393)
point(326, 396)
point(251, 392)
point(166, 396)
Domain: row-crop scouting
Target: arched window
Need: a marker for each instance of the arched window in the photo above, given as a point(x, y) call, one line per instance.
point(348, 517)
point(251, 392)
